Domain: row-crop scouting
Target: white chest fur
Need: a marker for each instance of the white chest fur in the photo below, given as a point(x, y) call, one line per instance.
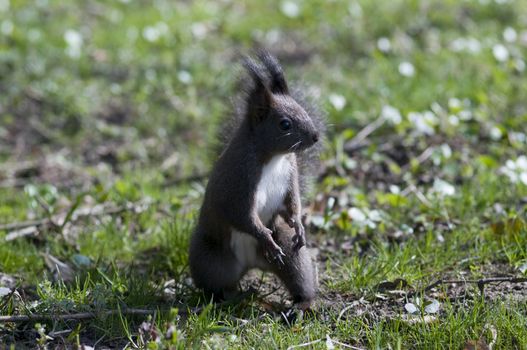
point(270, 194)
point(272, 187)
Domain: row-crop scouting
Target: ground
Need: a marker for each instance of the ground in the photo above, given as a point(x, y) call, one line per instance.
point(417, 217)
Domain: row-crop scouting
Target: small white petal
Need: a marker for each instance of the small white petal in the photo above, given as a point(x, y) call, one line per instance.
point(500, 52)
point(453, 119)
point(495, 133)
point(411, 308)
point(519, 137)
point(151, 33)
point(329, 343)
point(338, 101)
point(357, 215)
point(395, 189)
point(454, 103)
point(199, 30)
point(443, 188)
point(510, 35)
point(465, 115)
point(384, 44)
point(290, 9)
point(406, 69)
point(184, 77)
point(375, 215)
point(391, 114)
point(4, 291)
point(74, 42)
point(521, 163)
point(433, 307)
point(446, 150)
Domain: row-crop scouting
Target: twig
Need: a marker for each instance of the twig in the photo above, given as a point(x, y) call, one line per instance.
point(74, 216)
point(480, 283)
point(72, 317)
point(364, 133)
point(346, 309)
point(184, 179)
point(304, 344)
point(22, 224)
point(347, 345)
point(423, 157)
point(88, 315)
point(493, 332)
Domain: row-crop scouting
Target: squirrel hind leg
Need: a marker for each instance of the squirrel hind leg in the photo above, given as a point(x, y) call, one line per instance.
point(215, 271)
point(298, 272)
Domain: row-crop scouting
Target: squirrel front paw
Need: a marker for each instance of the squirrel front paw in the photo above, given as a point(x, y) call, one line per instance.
point(272, 251)
point(299, 239)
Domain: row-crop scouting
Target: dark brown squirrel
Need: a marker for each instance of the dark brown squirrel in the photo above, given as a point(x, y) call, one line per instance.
point(251, 213)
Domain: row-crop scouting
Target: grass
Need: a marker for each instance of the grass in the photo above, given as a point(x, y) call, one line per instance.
point(110, 109)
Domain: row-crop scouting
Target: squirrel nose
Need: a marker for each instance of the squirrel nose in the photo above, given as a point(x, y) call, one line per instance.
point(315, 137)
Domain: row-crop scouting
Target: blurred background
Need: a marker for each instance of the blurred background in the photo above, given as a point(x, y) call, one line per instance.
point(108, 110)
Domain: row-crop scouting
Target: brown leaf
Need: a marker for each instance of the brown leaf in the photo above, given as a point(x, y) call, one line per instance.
point(476, 345)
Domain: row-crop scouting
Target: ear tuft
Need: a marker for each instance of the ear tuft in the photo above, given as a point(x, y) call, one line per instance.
point(254, 70)
point(259, 98)
point(278, 83)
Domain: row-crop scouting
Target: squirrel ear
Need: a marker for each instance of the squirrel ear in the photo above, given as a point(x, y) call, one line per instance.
point(260, 98)
point(278, 83)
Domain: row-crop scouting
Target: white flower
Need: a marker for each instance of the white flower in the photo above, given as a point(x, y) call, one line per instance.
point(74, 43)
point(510, 35)
point(199, 30)
point(384, 44)
point(395, 189)
point(150, 33)
point(443, 188)
point(155, 32)
point(184, 77)
point(338, 101)
point(357, 215)
point(519, 137)
point(500, 53)
point(391, 114)
point(516, 170)
point(446, 150)
point(471, 45)
point(423, 122)
point(495, 133)
point(454, 103)
point(465, 115)
point(453, 120)
point(290, 9)
point(521, 163)
point(406, 69)
point(375, 215)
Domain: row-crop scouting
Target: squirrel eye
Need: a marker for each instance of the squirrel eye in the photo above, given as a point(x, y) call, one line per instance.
point(285, 124)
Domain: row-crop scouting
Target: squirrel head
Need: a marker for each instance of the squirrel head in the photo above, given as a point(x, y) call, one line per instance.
point(274, 117)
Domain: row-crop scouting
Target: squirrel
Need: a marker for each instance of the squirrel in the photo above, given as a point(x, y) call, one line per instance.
point(251, 211)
